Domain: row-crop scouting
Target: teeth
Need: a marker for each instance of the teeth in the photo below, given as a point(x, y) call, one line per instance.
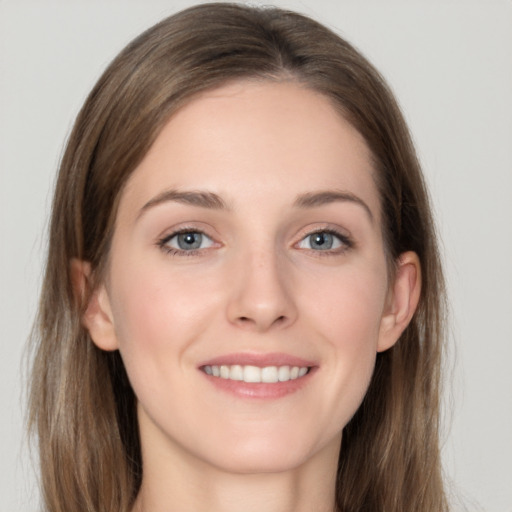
point(269, 374)
point(236, 372)
point(255, 374)
point(224, 372)
point(283, 373)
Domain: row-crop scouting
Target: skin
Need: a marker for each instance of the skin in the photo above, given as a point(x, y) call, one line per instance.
point(256, 285)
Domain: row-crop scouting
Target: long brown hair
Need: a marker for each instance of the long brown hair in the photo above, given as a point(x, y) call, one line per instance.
point(82, 405)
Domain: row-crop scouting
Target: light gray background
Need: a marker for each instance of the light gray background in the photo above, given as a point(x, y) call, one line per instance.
point(450, 64)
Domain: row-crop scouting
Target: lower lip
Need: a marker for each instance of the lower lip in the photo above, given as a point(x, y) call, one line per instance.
point(259, 390)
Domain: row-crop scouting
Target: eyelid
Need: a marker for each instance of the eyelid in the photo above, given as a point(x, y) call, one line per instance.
point(191, 226)
point(177, 234)
point(163, 240)
point(344, 237)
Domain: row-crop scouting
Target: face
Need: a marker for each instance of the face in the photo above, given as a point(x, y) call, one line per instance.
point(247, 287)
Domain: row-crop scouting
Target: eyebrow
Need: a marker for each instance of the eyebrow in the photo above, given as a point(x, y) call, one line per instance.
point(212, 201)
point(323, 197)
point(202, 199)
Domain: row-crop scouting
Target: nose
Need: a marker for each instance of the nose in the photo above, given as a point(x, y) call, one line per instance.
point(261, 295)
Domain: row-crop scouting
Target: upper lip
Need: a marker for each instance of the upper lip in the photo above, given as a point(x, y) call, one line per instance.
point(256, 359)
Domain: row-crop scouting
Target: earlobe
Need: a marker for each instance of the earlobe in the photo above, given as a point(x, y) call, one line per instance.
point(97, 315)
point(403, 300)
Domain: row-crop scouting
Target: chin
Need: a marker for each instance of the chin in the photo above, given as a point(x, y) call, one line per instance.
point(270, 454)
point(259, 463)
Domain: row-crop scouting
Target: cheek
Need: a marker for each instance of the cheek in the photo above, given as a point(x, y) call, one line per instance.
point(347, 318)
point(349, 305)
point(159, 315)
point(157, 311)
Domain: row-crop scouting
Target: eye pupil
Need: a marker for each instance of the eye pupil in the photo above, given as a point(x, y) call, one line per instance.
point(187, 241)
point(321, 241)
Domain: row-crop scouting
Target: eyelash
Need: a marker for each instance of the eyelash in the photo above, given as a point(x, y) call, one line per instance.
point(346, 242)
point(172, 251)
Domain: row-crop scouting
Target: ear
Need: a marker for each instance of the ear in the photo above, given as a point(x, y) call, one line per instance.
point(97, 315)
point(403, 298)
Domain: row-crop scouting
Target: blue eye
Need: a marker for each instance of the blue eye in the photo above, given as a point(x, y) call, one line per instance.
point(324, 241)
point(186, 241)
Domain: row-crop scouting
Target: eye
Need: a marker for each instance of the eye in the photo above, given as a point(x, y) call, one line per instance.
point(186, 242)
point(324, 241)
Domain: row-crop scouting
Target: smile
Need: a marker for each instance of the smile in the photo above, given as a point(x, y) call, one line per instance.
point(256, 374)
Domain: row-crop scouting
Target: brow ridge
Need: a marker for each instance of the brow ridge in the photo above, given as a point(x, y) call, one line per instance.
point(199, 198)
point(210, 200)
point(323, 197)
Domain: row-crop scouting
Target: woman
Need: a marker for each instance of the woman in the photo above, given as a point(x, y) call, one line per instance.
point(243, 299)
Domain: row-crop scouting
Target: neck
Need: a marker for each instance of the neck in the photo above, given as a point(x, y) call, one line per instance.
point(182, 483)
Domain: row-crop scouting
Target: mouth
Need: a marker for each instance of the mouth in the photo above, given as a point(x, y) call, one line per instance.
point(262, 376)
point(256, 374)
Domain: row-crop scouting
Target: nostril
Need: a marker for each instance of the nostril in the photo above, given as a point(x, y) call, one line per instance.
point(247, 321)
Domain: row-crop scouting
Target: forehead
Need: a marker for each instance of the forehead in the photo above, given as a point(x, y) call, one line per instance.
point(271, 140)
